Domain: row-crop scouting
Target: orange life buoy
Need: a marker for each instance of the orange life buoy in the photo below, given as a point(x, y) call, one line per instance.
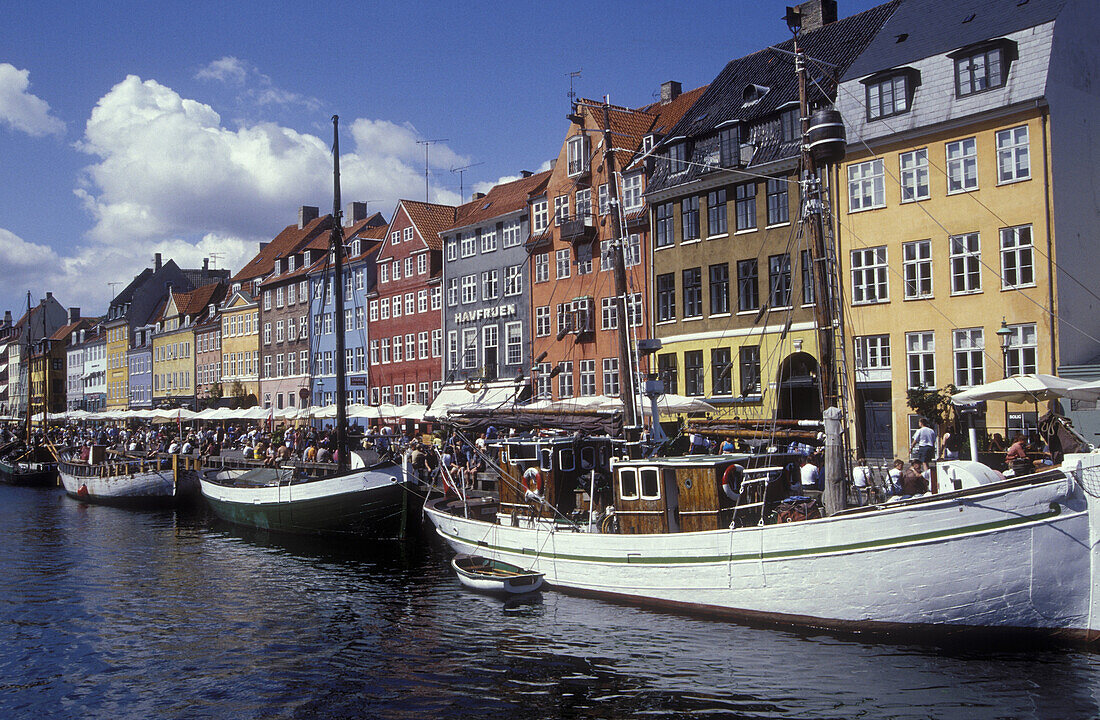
point(532, 481)
point(728, 482)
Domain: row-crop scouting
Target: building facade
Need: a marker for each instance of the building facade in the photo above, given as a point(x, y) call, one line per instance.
point(240, 339)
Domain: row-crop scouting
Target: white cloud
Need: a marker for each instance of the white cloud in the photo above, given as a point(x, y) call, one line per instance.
point(229, 70)
point(260, 90)
point(23, 110)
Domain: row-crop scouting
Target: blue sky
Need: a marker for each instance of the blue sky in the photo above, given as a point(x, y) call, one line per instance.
point(194, 128)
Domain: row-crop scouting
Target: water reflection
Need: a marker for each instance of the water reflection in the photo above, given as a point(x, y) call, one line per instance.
point(117, 613)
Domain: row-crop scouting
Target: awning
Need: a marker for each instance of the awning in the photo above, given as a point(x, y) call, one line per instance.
point(487, 396)
point(1027, 389)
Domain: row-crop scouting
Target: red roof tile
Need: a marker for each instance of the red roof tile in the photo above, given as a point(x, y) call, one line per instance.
point(504, 198)
point(430, 220)
point(290, 240)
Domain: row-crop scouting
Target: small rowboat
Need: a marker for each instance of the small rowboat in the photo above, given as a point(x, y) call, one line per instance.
point(481, 573)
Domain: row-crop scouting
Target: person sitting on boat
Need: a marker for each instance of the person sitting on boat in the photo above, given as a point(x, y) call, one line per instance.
point(895, 477)
point(727, 446)
point(699, 444)
point(188, 446)
point(861, 480)
point(1017, 453)
point(811, 476)
point(914, 481)
point(174, 447)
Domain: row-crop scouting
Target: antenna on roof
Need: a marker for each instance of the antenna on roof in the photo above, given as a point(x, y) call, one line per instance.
point(214, 257)
point(426, 143)
point(572, 92)
point(460, 171)
point(112, 286)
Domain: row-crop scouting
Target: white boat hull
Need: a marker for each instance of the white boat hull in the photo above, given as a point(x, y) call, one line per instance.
point(151, 486)
point(1008, 557)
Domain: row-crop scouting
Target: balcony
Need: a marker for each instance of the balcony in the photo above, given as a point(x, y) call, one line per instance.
point(576, 228)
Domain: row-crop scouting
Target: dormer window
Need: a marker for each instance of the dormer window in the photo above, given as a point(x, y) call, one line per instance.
point(355, 247)
point(752, 93)
point(648, 142)
point(577, 152)
point(890, 94)
point(790, 125)
point(982, 67)
point(677, 157)
point(290, 264)
point(729, 146)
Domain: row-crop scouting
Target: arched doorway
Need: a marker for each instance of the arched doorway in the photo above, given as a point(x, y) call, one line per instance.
point(799, 394)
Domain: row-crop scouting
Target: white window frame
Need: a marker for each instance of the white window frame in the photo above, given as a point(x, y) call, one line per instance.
point(540, 218)
point(1013, 155)
point(1017, 256)
point(915, 184)
point(469, 289)
point(563, 263)
point(1023, 349)
point(866, 185)
point(966, 263)
point(962, 166)
point(920, 359)
point(917, 269)
point(968, 346)
point(870, 276)
point(513, 337)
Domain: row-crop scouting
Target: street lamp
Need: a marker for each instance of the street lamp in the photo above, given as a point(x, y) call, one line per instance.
point(1005, 334)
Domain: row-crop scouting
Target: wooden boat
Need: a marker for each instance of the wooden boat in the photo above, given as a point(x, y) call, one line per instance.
point(495, 576)
point(119, 479)
point(35, 467)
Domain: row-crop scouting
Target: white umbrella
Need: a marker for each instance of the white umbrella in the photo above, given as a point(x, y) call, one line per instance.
point(359, 410)
point(412, 411)
point(1025, 389)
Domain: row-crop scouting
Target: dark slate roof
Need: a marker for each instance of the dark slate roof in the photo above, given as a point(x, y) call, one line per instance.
point(836, 44)
point(935, 27)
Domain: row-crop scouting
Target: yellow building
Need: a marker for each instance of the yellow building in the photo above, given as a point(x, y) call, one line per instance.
point(948, 225)
point(118, 376)
point(241, 347)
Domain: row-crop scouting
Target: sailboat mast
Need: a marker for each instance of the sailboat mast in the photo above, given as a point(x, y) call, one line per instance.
point(626, 371)
point(337, 243)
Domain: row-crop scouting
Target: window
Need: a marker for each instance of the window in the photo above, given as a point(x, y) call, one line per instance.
point(716, 212)
point(887, 97)
point(729, 147)
point(267, 299)
point(689, 219)
point(488, 240)
point(452, 349)
point(542, 381)
point(869, 276)
point(666, 371)
point(510, 234)
point(421, 264)
point(604, 199)
point(666, 297)
point(632, 192)
point(807, 278)
point(917, 262)
point(410, 346)
point(565, 379)
point(609, 314)
point(920, 357)
point(979, 71)
point(383, 275)
point(969, 357)
point(407, 234)
point(437, 297)
point(778, 204)
point(611, 376)
point(267, 333)
point(790, 125)
point(437, 343)
point(280, 336)
point(745, 201)
point(423, 346)
point(395, 237)
point(539, 217)
point(562, 263)
point(719, 289)
point(628, 484)
point(396, 306)
point(665, 231)
point(290, 300)
point(349, 320)
point(635, 310)
point(872, 352)
point(452, 292)
point(721, 372)
point(469, 289)
point(677, 157)
point(693, 292)
point(632, 250)
point(513, 336)
point(513, 280)
point(384, 309)
point(779, 280)
point(587, 378)
point(966, 264)
point(962, 166)
point(489, 285)
point(469, 246)
point(373, 352)
point(542, 321)
point(866, 185)
point(1017, 268)
point(584, 202)
point(1013, 156)
point(421, 302)
point(561, 209)
point(748, 296)
point(398, 352)
point(693, 372)
point(452, 249)
point(279, 294)
point(577, 154)
point(1022, 350)
point(749, 360)
point(914, 175)
point(395, 270)
point(489, 344)
point(469, 348)
point(542, 267)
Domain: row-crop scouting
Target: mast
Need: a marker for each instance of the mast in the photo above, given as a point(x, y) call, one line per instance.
point(26, 363)
point(626, 371)
point(337, 244)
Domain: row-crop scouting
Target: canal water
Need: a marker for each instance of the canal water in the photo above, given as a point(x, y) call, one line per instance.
point(112, 613)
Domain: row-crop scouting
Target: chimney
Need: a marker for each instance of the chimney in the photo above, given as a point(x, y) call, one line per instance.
point(74, 315)
point(816, 13)
point(156, 261)
point(7, 318)
point(670, 91)
point(356, 212)
point(205, 264)
point(306, 215)
point(525, 173)
point(49, 296)
point(477, 196)
point(263, 245)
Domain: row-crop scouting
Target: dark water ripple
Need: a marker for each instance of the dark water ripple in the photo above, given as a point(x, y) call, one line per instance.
point(109, 613)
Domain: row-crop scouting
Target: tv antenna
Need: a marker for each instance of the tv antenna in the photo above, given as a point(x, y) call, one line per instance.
point(214, 257)
point(573, 93)
point(112, 285)
point(460, 171)
point(426, 143)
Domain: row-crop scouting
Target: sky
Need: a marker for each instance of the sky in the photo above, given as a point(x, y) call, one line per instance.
point(198, 129)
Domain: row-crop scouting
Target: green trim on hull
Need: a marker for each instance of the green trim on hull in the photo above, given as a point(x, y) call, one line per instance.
point(373, 511)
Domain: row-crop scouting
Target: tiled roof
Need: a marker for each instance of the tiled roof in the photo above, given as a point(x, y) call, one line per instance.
point(911, 34)
point(835, 45)
point(668, 114)
point(430, 219)
point(501, 199)
point(290, 240)
point(63, 332)
point(196, 301)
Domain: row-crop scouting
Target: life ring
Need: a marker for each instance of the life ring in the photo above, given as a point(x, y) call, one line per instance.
point(532, 481)
point(732, 478)
point(471, 386)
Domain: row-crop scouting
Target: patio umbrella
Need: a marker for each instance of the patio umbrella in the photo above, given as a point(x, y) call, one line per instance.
point(1025, 389)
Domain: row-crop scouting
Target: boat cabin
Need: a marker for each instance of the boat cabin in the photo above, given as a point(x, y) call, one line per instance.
point(563, 466)
point(699, 492)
